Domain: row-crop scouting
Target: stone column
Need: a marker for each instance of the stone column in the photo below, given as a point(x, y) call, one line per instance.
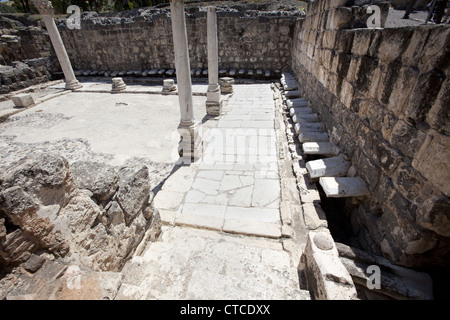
point(46, 10)
point(213, 103)
point(190, 143)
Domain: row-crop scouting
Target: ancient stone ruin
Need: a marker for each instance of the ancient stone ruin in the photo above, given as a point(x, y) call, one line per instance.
point(339, 161)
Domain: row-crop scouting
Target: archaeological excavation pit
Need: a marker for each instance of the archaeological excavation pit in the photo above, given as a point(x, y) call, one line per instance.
point(225, 150)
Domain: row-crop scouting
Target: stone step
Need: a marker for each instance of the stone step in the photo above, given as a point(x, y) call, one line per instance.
point(308, 127)
point(319, 136)
point(341, 187)
point(300, 111)
point(299, 102)
point(321, 148)
point(329, 167)
point(293, 94)
point(302, 118)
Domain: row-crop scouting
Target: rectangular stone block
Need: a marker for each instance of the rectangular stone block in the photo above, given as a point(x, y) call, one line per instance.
point(328, 167)
point(300, 111)
point(432, 161)
point(303, 118)
point(313, 137)
point(343, 187)
point(320, 148)
point(308, 127)
point(314, 216)
point(340, 17)
point(298, 102)
point(23, 100)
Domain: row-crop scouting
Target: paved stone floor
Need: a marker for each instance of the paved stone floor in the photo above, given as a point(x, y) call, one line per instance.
point(222, 238)
point(222, 233)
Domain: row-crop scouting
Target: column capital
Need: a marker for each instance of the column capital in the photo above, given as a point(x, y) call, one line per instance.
point(43, 6)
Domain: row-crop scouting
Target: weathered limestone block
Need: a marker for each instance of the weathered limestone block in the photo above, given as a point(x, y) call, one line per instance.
point(406, 244)
point(434, 215)
point(393, 44)
point(308, 127)
point(340, 17)
point(313, 137)
point(296, 103)
point(101, 179)
point(57, 281)
point(314, 216)
point(326, 276)
point(328, 167)
point(23, 100)
point(300, 111)
point(437, 42)
point(305, 118)
point(438, 116)
point(432, 161)
point(321, 148)
point(343, 187)
point(133, 192)
point(424, 94)
point(406, 138)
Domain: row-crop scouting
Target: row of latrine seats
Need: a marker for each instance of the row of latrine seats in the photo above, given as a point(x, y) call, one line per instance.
point(195, 73)
point(332, 169)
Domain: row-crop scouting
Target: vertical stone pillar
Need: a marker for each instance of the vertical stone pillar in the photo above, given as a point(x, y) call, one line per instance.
point(46, 10)
point(190, 143)
point(213, 103)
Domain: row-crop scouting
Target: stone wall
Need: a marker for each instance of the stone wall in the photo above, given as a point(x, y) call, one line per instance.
point(249, 40)
point(383, 95)
point(26, 55)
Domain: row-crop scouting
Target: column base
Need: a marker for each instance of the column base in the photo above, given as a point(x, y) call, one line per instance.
point(213, 101)
point(190, 148)
point(73, 85)
point(214, 108)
